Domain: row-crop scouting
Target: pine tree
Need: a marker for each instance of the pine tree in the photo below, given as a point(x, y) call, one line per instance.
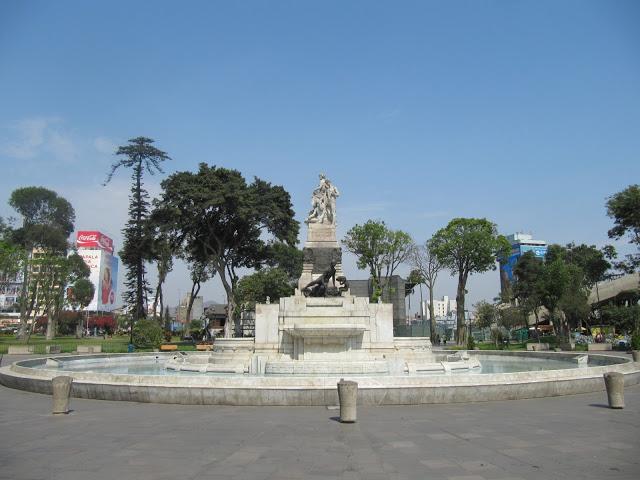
point(141, 156)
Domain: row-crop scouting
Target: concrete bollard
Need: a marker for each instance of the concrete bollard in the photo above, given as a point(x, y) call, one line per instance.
point(61, 390)
point(614, 381)
point(348, 396)
point(636, 355)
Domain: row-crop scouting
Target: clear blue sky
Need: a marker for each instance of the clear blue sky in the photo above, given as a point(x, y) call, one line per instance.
point(527, 113)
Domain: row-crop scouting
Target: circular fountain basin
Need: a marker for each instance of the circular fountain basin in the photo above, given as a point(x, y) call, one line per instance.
point(143, 378)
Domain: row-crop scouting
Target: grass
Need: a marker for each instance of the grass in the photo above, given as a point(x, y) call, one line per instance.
point(115, 344)
point(69, 344)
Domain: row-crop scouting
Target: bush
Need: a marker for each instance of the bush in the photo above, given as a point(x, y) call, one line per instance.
point(147, 333)
point(471, 343)
point(635, 341)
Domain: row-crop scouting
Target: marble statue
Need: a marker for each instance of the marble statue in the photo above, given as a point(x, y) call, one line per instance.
point(323, 203)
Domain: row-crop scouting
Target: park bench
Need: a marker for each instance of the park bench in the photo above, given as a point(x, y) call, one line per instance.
point(89, 349)
point(53, 349)
point(599, 347)
point(20, 349)
point(204, 347)
point(168, 348)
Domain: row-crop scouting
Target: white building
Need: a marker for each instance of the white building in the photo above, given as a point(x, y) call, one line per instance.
point(441, 308)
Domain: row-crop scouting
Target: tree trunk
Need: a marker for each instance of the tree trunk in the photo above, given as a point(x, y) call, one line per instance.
point(432, 316)
point(22, 332)
point(51, 327)
point(460, 327)
point(195, 289)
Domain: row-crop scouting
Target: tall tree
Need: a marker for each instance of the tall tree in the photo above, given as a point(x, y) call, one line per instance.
point(379, 249)
point(162, 254)
point(427, 263)
point(47, 222)
point(467, 246)
point(200, 271)
point(216, 213)
point(79, 296)
point(624, 208)
point(141, 156)
point(526, 285)
point(52, 273)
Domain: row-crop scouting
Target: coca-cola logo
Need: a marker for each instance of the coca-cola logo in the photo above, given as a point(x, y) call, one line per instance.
point(87, 238)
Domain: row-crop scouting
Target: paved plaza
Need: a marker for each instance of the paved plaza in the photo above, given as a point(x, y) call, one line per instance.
point(562, 437)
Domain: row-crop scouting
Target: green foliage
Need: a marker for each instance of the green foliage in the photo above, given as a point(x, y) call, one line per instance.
point(624, 208)
point(287, 258)
point(141, 156)
point(486, 314)
point(471, 342)
point(511, 317)
point(147, 334)
point(196, 325)
point(635, 341)
point(380, 249)
point(81, 293)
point(269, 282)
point(216, 215)
point(12, 260)
point(47, 219)
point(467, 246)
point(624, 318)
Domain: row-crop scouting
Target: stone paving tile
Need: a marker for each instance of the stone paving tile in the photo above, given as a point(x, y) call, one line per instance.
point(494, 441)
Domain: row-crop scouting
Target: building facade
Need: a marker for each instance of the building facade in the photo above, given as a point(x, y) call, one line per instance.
point(96, 249)
point(520, 244)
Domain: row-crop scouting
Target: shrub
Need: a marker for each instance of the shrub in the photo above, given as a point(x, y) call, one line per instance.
point(471, 343)
point(635, 341)
point(147, 333)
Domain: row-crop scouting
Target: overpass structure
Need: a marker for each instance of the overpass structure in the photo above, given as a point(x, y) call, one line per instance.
point(610, 289)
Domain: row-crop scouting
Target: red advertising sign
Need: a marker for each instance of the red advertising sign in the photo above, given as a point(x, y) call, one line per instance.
point(94, 239)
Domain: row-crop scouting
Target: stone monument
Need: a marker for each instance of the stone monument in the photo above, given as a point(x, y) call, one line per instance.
point(321, 249)
point(322, 329)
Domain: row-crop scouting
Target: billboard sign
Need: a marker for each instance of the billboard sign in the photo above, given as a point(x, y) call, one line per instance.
point(94, 239)
point(104, 276)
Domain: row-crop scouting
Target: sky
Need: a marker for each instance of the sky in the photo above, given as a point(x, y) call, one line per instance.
point(525, 113)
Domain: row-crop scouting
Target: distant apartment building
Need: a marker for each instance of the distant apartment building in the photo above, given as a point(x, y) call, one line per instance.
point(441, 308)
point(520, 244)
point(10, 288)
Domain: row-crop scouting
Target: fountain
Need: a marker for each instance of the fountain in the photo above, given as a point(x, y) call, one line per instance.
point(322, 329)
point(306, 343)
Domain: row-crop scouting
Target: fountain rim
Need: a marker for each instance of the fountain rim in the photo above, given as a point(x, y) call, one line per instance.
point(306, 390)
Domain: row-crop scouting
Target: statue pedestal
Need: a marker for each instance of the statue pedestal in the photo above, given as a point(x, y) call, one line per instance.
point(320, 250)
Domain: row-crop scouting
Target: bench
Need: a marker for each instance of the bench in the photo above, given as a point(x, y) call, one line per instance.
point(598, 347)
point(204, 347)
point(20, 349)
point(168, 348)
point(53, 349)
point(89, 349)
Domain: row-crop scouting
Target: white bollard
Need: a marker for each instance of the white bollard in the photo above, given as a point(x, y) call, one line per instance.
point(348, 396)
point(61, 391)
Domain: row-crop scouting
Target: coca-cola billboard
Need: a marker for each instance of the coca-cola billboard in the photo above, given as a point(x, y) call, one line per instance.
point(94, 239)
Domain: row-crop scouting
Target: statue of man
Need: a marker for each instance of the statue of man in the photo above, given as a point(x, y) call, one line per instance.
point(323, 202)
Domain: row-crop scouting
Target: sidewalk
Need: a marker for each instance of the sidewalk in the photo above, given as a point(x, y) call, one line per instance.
point(551, 438)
